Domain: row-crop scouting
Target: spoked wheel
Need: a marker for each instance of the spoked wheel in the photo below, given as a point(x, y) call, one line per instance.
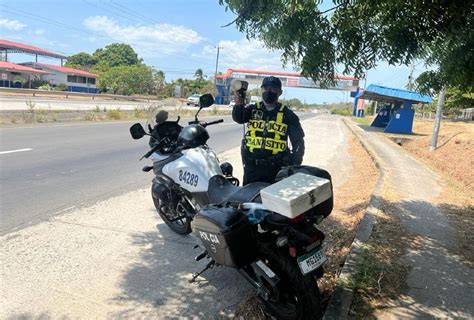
point(297, 296)
point(175, 216)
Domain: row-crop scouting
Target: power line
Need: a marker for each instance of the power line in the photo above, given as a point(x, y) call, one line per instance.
point(81, 30)
point(139, 15)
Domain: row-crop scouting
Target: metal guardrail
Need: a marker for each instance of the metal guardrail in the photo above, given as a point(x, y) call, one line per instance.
point(67, 94)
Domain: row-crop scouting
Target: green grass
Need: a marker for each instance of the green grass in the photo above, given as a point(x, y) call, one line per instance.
point(365, 121)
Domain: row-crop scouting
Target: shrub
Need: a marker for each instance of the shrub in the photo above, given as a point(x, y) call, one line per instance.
point(90, 116)
point(114, 114)
point(341, 112)
point(61, 87)
point(45, 87)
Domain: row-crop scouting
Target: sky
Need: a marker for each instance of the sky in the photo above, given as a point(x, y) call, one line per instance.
point(175, 36)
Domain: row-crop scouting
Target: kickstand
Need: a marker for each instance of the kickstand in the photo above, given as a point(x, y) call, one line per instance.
point(210, 265)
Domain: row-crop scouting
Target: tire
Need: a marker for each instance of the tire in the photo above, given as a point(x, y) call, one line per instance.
point(299, 296)
point(182, 226)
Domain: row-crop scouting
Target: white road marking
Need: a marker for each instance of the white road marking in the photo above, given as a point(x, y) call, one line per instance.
point(13, 151)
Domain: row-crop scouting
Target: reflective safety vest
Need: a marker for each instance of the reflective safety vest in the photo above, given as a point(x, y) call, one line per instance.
point(266, 134)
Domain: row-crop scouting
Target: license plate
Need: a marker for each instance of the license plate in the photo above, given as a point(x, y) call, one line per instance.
point(312, 260)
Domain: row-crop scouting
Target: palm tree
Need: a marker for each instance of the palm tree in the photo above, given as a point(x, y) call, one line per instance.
point(199, 75)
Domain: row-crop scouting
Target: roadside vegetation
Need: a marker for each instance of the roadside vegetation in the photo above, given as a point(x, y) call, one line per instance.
point(35, 115)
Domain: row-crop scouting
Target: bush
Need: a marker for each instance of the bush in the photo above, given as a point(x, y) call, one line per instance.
point(90, 116)
point(61, 87)
point(45, 87)
point(341, 112)
point(114, 114)
point(140, 112)
point(35, 84)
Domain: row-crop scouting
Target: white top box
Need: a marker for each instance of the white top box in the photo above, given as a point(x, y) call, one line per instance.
point(296, 194)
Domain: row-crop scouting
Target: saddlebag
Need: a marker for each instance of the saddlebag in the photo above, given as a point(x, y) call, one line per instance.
point(226, 234)
point(322, 209)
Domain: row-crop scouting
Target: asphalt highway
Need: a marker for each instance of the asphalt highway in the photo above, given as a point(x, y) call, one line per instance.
point(47, 170)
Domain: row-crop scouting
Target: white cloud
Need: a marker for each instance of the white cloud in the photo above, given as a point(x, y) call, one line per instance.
point(244, 54)
point(148, 40)
point(13, 25)
point(39, 32)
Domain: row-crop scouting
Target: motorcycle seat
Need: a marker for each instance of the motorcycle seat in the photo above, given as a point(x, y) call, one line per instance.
point(221, 190)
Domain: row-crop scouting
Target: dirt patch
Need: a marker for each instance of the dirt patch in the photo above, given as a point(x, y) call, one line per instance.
point(454, 156)
point(340, 227)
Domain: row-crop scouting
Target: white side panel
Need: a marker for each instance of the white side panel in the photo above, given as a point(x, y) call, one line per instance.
point(156, 156)
point(194, 169)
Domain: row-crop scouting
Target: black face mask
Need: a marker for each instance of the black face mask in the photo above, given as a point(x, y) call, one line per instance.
point(269, 97)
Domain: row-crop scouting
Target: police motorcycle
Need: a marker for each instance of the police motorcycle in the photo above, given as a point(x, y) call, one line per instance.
point(280, 256)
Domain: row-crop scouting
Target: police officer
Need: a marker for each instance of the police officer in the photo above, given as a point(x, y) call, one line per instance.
point(269, 125)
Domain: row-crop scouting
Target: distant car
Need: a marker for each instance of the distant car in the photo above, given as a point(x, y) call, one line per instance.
point(193, 100)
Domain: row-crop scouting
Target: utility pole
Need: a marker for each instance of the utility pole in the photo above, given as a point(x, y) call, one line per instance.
point(365, 80)
point(217, 64)
point(410, 77)
point(437, 122)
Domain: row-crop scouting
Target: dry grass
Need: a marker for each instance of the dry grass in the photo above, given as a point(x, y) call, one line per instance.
point(351, 201)
point(455, 153)
point(381, 272)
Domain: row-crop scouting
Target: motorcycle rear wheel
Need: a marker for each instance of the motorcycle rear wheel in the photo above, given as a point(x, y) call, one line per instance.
point(181, 226)
point(298, 295)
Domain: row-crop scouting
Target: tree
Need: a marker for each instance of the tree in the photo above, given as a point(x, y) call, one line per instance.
point(81, 60)
point(127, 80)
point(198, 74)
point(116, 54)
point(358, 33)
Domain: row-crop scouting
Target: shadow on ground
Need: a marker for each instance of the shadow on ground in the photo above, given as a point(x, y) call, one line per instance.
point(160, 280)
point(412, 266)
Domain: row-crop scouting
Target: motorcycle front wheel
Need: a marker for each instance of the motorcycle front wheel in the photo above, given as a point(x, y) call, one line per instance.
point(176, 218)
point(297, 295)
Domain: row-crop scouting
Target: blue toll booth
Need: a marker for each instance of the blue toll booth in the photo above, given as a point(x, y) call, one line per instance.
point(397, 113)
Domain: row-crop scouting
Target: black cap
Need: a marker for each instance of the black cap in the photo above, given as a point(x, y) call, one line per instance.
point(272, 82)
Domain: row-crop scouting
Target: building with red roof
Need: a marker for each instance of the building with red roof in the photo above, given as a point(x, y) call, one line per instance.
point(16, 75)
point(77, 80)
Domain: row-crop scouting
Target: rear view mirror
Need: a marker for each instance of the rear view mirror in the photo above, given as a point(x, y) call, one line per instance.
point(137, 131)
point(206, 100)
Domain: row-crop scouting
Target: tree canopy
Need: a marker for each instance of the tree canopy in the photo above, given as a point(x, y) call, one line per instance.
point(357, 34)
point(116, 54)
point(81, 60)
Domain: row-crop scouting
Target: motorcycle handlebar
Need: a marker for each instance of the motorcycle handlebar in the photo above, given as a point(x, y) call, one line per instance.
point(156, 147)
point(205, 124)
point(215, 122)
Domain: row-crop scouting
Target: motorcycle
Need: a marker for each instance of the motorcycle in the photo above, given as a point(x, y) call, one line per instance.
point(280, 256)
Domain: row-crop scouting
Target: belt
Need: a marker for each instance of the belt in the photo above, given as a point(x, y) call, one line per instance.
point(266, 162)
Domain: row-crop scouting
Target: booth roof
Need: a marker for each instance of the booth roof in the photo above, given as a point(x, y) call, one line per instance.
point(391, 95)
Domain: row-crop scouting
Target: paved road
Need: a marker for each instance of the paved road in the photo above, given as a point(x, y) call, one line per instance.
point(117, 259)
point(74, 165)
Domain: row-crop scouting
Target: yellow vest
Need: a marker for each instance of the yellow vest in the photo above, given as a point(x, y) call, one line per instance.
point(268, 134)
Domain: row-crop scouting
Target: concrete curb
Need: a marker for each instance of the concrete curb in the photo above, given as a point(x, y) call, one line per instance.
point(341, 299)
